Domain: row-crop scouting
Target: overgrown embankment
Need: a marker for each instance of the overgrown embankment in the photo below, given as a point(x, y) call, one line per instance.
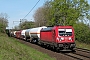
point(82, 45)
point(11, 49)
point(82, 33)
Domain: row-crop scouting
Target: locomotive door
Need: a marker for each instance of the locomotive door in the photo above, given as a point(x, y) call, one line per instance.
point(53, 36)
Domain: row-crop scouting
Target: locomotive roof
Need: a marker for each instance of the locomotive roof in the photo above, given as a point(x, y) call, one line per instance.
point(47, 29)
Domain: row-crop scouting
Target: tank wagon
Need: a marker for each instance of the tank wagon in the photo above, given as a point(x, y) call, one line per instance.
point(35, 34)
point(23, 34)
point(13, 33)
point(58, 37)
point(27, 34)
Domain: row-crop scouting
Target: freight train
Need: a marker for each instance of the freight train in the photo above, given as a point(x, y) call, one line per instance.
point(58, 37)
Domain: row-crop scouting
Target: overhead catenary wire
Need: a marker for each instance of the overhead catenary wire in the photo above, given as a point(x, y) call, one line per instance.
point(31, 9)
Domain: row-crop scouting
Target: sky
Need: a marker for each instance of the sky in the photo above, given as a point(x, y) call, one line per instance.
point(18, 9)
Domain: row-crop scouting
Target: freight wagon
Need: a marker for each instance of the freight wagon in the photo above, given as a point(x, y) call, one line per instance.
point(23, 34)
point(18, 34)
point(35, 34)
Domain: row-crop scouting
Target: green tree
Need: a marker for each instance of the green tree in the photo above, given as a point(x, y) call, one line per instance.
point(3, 21)
point(26, 25)
point(68, 12)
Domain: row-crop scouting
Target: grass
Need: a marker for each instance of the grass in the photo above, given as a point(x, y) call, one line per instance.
point(82, 45)
point(11, 49)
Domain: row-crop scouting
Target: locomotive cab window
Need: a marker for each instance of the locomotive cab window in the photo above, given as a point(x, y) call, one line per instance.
point(65, 32)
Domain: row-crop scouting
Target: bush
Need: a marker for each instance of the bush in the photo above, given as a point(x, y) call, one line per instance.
point(82, 32)
point(1, 28)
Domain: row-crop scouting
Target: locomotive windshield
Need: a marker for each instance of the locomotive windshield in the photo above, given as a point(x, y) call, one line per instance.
point(65, 32)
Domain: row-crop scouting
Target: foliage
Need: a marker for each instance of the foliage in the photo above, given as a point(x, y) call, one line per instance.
point(82, 32)
point(68, 12)
point(26, 25)
point(2, 28)
point(43, 15)
point(62, 12)
point(38, 17)
point(3, 22)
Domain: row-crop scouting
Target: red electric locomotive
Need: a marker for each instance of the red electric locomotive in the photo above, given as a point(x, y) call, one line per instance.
point(58, 37)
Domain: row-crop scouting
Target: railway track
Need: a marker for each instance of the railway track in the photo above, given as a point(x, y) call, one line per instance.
point(83, 50)
point(80, 54)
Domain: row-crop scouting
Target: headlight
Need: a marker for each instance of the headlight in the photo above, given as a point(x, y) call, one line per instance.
point(70, 38)
point(61, 38)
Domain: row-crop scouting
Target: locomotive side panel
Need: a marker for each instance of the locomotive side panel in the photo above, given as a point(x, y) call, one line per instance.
point(46, 36)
